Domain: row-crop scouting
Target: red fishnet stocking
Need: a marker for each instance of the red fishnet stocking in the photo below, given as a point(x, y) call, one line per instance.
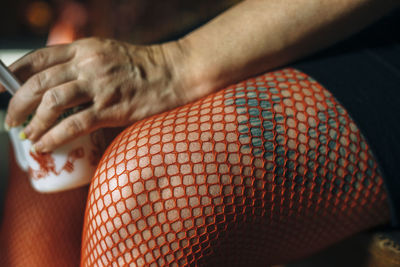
point(263, 172)
point(38, 229)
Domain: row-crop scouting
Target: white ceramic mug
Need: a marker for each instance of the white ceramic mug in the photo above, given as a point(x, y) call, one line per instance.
point(67, 167)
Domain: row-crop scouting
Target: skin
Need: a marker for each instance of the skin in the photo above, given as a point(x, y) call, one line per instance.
point(109, 77)
point(120, 83)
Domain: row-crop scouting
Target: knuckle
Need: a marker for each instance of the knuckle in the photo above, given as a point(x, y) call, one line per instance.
point(38, 83)
point(90, 120)
point(93, 39)
point(80, 124)
point(49, 139)
point(87, 42)
point(38, 58)
point(75, 126)
point(38, 123)
point(51, 100)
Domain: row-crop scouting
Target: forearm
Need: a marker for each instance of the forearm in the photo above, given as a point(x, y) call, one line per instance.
point(256, 36)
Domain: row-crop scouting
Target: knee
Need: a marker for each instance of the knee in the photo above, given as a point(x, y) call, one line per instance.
point(138, 202)
point(120, 203)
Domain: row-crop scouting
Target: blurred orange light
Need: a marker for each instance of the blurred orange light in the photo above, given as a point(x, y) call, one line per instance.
point(39, 14)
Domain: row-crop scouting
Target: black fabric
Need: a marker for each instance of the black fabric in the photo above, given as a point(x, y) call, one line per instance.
point(363, 73)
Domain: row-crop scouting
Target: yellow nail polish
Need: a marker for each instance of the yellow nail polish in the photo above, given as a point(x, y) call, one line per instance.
point(22, 135)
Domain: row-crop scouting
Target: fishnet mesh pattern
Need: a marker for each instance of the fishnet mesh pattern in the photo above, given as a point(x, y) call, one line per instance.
point(40, 230)
point(263, 172)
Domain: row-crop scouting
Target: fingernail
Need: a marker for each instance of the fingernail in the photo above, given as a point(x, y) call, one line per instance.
point(38, 147)
point(33, 150)
point(22, 135)
point(28, 131)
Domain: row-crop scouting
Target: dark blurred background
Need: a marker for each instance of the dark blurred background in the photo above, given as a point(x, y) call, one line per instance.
point(24, 23)
point(28, 22)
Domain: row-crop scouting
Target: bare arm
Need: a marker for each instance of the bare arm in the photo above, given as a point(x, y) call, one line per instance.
point(258, 35)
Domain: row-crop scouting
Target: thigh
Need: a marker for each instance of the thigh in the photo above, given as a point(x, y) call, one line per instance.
point(263, 172)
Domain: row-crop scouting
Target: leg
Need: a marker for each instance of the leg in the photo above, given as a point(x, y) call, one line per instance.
point(263, 172)
point(40, 229)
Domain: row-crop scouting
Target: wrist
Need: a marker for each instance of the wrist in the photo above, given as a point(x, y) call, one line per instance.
point(188, 72)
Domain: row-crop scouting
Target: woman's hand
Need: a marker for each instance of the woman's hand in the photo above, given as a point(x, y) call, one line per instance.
point(116, 83)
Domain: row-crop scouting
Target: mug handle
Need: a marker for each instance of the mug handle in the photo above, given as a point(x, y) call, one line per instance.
point(18, 148)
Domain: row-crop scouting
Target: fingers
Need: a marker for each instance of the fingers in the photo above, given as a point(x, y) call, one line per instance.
point(30, 94)
point(55, 102)
point(41, 59)
point(70, 128)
